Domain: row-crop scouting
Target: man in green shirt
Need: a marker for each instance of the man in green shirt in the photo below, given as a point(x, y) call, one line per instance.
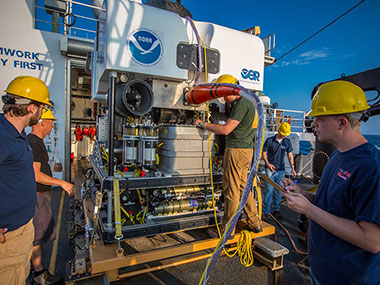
point(237, 156)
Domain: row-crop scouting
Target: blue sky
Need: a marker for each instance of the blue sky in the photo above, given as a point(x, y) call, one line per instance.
point(350, 45)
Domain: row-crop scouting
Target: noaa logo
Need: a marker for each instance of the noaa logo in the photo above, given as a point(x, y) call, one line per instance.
point(250, 74)
point(145, 47)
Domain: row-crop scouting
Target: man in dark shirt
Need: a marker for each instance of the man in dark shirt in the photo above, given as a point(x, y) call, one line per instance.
point(344, 228)
point(237, 156)
point(274, 150)
point(43, 221)
point(25, 98)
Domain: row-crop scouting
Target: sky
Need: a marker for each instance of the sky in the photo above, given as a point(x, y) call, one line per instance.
point(350, 45)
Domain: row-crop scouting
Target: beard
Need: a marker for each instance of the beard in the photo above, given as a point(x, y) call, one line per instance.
point(35, 118)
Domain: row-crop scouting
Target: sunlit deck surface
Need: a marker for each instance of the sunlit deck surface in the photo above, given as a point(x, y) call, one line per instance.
point(226, 271)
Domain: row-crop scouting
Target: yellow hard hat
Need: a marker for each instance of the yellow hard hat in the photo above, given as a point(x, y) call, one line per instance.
point(284, 129)
point(47, 115)
point(226, 78)
point(31, 88)
point(338, 97)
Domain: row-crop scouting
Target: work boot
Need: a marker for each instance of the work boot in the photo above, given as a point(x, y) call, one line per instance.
point(46, 278)
point(265, 218)
point(256, 230)
point(277, 215)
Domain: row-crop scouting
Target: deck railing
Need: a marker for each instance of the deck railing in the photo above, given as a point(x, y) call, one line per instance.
point(274, 117)
point(68, 17)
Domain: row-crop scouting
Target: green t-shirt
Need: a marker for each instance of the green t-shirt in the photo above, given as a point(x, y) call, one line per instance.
point(242, 136)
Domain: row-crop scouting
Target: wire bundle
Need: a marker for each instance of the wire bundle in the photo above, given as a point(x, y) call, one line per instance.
point(232, 223)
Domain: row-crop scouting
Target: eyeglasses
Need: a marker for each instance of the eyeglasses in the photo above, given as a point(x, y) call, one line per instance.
point(43, 107)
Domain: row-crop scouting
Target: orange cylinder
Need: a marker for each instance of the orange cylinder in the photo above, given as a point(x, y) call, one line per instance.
point(206, 92)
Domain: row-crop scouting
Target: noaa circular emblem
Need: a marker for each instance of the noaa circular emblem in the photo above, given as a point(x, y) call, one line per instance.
point(145, 47)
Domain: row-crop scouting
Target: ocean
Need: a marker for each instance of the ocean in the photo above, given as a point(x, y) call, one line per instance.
point(375, 139)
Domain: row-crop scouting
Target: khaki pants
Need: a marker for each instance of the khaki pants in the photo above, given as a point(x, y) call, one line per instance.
point(235, 165)
point(15, 255)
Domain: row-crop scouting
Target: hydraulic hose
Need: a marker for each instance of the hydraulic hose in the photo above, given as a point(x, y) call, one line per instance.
point(244, 245)
point(244, 248)
point(198, 95)
point(289, 236)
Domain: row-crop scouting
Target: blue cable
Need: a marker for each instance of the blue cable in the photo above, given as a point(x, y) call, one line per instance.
point(232, 222)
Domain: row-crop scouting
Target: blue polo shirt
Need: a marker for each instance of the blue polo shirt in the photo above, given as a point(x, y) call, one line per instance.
point(17, 181)
point(276, 151)
point(350, 189)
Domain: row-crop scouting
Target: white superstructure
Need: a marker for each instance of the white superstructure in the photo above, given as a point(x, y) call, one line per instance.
point(130, 40)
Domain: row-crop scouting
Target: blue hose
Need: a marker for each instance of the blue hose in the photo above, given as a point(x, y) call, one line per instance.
point(232, 222)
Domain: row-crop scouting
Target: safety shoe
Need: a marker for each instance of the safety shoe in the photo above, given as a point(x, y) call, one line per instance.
point(277, 215)
point(46, 278)
point(265, 218)
point(256, 230)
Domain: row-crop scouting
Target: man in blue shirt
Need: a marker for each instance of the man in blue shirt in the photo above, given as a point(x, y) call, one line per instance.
point(24, 101)
point(274, 150)
point(344, 229)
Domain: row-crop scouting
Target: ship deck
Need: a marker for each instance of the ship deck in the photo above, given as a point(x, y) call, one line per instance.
point(226, 271)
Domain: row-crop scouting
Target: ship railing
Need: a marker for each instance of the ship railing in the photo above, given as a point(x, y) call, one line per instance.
point(274, 117)
point(66, 17)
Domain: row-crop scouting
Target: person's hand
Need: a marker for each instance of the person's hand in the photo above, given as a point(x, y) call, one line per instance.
point(297, 202)
point(68, 187)
point(198, 122)
point(294, 173)
point(271, 167)
point(2, 236)
point(288, 184)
